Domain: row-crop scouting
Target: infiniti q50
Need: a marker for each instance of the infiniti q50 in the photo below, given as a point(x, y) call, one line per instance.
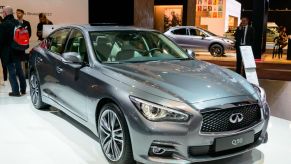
point(144, 97)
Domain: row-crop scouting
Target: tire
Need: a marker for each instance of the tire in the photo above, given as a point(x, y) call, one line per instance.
point(112, 119)
point(35, 92)
point(216, 50)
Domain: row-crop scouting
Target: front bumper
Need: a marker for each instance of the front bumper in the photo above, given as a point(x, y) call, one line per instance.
point(183, 142)
point(230, 47)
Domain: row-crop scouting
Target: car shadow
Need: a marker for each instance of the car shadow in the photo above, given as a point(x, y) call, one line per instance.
point(70, 120)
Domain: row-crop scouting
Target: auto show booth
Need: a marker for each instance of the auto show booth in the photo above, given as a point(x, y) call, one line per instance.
point(218, 16)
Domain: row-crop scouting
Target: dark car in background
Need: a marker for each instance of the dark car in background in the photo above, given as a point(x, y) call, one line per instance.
point(200, 39)
point(144, 97)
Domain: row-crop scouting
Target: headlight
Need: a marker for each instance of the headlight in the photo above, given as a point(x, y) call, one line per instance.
point(228, 41)
point(261, 92)
point(155, 112)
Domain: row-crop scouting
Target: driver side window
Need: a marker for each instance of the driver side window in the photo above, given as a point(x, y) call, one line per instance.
point(58, 40)
point(77, 43)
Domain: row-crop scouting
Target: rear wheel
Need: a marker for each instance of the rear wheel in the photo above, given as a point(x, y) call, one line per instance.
point(35, 92)
point(114, 135)
point(216, 50)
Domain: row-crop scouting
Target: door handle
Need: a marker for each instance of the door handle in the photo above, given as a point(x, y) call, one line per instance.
point(59, 69)
point(39, 59)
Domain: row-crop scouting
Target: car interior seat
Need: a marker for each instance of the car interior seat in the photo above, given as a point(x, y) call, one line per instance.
point(103, 48)
point(125, 54)
point(83, 49)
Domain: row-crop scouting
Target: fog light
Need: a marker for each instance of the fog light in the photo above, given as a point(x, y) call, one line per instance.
point(164, 151)
point(158, 151)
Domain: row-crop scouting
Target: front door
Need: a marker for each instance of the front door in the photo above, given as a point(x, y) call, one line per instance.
point(46, 63)
point(73, 79)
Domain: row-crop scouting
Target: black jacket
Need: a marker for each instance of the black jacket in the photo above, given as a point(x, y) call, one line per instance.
point(6, 38)
point(27, 24)
point(249, 36)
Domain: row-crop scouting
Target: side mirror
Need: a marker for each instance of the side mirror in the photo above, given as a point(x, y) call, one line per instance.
point(203, 36)
point(191, 53)
point(72, 58)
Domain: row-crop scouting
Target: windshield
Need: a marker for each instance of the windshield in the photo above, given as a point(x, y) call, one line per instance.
point(134, 46)
point(210, 33)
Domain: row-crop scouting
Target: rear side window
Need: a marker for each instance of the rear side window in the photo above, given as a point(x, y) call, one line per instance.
point(181, 31)
point(195, 32)
point(58, 40)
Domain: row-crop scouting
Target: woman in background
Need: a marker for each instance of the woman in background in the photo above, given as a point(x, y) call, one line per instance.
point(282, 40)
point(283, 37)
point(4, 69)
point(42, 21)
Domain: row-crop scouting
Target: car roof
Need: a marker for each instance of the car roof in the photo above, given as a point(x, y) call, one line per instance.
point(89, 28)
point(179, 27)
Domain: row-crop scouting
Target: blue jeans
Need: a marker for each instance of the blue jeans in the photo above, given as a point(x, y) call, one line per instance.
point(15, 70)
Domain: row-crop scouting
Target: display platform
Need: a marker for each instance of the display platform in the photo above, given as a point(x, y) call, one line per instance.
point(51, 137)
point(267, 67)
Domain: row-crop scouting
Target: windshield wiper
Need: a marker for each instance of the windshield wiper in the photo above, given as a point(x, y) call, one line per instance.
point(114, 62)
point(179, 59)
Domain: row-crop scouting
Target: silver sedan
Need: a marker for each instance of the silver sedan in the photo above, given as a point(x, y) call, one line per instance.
point(200, 39)
point(144, 97)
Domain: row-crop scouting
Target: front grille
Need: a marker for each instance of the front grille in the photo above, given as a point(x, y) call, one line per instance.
point(219, 121)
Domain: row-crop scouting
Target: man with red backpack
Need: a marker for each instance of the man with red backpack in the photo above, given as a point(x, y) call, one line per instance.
point(11, 41)
point(26, 24)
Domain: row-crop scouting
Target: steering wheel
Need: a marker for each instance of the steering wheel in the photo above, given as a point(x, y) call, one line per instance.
point(155, 49)
point(142, 52)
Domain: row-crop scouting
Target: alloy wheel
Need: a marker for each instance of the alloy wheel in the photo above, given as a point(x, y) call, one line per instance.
point(34, 89)
point(111, 135)
point(216, 51)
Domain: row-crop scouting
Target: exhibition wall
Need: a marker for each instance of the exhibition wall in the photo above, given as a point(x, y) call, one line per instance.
point(214, 15)
point(167, 16)
point(119, 12)
point(58, 11)
point(233, 9)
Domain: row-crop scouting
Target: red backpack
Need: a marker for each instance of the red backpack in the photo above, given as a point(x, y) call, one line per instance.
point(20, 38)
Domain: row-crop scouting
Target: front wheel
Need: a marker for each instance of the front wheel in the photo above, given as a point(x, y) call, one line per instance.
point(216, 50)
point(114, 135)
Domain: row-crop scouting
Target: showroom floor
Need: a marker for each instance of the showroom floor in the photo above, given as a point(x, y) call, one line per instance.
point(30, 136)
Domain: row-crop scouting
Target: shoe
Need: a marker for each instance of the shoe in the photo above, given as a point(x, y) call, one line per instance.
point(4, 83)
point(14, 94)
point(23, 92)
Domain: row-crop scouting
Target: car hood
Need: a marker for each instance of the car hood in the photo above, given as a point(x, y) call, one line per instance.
point(223, 37)
point(192, 81)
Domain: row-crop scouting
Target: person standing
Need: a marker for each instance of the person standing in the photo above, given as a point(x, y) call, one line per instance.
point(4, 69)
point(9, 57)
point(244, 36)
point(26, 24)
point(283, 37)
point(42, 21)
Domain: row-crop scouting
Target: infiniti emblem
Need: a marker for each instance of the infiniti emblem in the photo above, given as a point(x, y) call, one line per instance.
point(236, 118)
